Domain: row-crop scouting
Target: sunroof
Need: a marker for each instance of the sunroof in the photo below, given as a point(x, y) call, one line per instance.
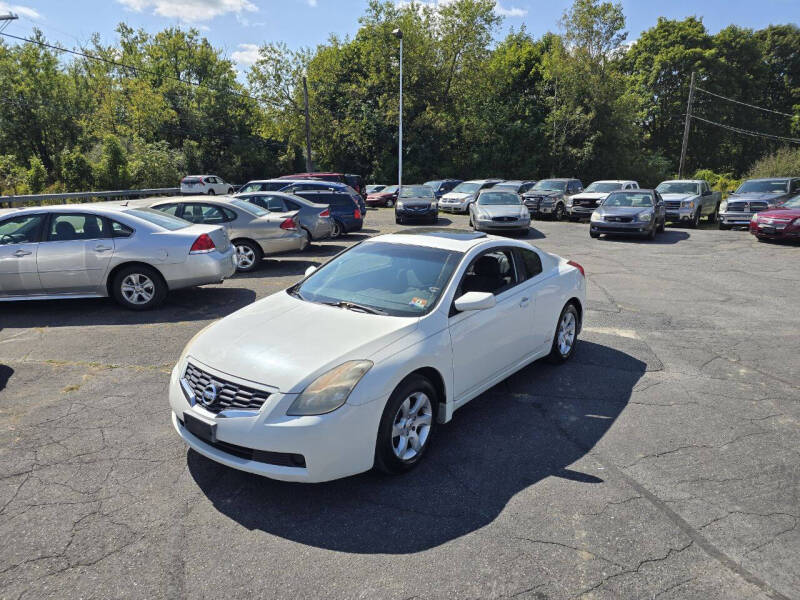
point(450, 234)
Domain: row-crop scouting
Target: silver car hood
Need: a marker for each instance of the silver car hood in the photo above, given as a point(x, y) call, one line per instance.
point(675, 197)
point(501, 210)
point(455, 196)
point(756, 197)
point(590, 196)
point(622, 211)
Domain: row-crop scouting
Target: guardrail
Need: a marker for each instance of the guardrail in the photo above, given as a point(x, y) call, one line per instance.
point(34, 199)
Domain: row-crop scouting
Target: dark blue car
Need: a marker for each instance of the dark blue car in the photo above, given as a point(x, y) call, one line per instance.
point(346, 214)
point(333, 186)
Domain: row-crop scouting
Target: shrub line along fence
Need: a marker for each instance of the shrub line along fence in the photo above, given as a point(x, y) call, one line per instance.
point(35, 199)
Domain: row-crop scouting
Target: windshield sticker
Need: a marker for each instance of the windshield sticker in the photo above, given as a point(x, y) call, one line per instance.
point(418, 302)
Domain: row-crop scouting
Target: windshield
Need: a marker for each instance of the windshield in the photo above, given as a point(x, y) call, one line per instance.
point(774, 186)
point(498, 198)
point(398, 279)
point(416, 191)
point(434, 185)
point(389, 190)
point(371, 189)
point(551, 185)
point(509, 185)
point(156, 217)
point(263, 186)
point(467, 187)
point(629, 200)
point(678, 187)
point(793, 203)
point(250, 207)
point(603, 186)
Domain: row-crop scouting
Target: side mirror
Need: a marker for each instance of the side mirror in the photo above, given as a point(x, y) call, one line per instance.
point(706, 192)
point(310, 270)
point(475, 301)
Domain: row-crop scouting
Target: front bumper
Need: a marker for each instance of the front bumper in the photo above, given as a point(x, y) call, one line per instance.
point(334, 445)
point(410, 213)
point(581, 212)
point(680, 214)
point(775, 231)
point(454, 207)
point(200, 269)
point(735, 218)
point(616, 228)
point(502, 225)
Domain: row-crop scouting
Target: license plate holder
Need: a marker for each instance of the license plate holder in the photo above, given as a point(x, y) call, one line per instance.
point(199, 428)
point(767, 229)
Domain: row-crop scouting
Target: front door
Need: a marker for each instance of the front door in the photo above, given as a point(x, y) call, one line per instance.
point(19, 244)
point(75, 255)
point(486, 342)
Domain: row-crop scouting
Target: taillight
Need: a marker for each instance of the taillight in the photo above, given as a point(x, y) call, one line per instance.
point(577, 266)
point(202, 245)
point(325, 213)
point(288, 224)
point(357, 214)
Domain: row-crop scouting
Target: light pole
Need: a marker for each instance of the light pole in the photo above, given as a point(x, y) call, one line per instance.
point(6, 19)
point(309, 163)
point(398, 33)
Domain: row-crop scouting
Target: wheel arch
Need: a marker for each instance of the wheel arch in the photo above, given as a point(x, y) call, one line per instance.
point(575, 301)
point(437, 381)
point(131, 263)
point(247, 239)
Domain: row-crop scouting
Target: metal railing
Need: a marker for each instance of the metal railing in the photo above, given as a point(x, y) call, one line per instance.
point(35, 199)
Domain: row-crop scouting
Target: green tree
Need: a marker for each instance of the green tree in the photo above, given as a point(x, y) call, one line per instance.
point(111, 171)
point(36, 177)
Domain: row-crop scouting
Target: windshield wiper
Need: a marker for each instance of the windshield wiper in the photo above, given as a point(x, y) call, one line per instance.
point(356, 307)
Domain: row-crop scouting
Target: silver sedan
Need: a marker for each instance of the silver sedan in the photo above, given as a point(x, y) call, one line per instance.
point(135, 255)
point(314, 218)
point(499, 210)
point(253, 231)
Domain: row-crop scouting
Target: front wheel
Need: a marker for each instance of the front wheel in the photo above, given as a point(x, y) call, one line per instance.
point(712, 218)
point(560, 212)
point(389, 203)
point(138, 287)
point(695, 219)
point(212, 193)
point(566, 336)
point(662, 226)
point(248, 255)
point(407, 425)
point(724, 227)
point(230, 191)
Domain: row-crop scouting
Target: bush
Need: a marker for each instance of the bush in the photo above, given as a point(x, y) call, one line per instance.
point(76, 171)
point(783, 163)
point(36, 177)
point(154, 165)
point(111, 172)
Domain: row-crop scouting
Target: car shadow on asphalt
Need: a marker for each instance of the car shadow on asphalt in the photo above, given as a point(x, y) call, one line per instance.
point(534, 425)
point(667, 237)
point(191, 304)
point(5, 374)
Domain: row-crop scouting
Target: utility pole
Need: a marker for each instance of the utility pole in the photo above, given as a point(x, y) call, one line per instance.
point(6, 19)
point(686, 127)
point(309, 162)
point(399, 35)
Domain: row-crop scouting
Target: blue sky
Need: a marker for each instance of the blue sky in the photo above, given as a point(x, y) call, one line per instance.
point(239, 26)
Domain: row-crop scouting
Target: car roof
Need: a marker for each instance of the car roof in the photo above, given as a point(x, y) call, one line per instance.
point(99, 208)
point(480, 180)
point(458, 240)
point(781, 178)
point(615, 181)
point(683, 181)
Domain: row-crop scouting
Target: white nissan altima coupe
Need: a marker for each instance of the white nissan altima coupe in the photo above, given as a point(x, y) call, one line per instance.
point(357, 364)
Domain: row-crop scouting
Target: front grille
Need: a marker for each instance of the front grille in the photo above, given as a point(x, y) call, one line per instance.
point(672, 204)
point(586, 203)
point(504, 219)
point(758, 206)
point(229, 395)
point(619, 219)
point(735, 207)
point(748, 207)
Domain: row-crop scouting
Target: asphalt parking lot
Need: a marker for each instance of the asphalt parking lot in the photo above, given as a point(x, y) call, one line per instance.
point(662, 462)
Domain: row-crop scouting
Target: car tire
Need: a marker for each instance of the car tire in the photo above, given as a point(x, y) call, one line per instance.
point(409, 418)
point(248, 255)
point(336, 230)
point(212, 193)
point(712, 218)
point(307, 241)
point(434, 219)
point(230, 191)
point(662, 226)
point(651, 235)
point(724, 227)
point(594, 235)
point(562, 349)
point(138, 287)
point(389, 203)
point(695, 219)
point(559, 213)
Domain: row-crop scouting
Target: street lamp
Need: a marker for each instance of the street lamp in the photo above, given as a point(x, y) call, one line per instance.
point(398, 33)
point(309, 163)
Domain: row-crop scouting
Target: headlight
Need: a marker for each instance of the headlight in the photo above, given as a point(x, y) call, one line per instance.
point(399, 204)
point(596, 216)
point(645, 216)
point(687, 204)
point(754, 218)
point(330, 390)
point(723, 206)
point(569, 201)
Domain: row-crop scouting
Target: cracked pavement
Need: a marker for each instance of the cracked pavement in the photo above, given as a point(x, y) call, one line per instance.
point(662, 462)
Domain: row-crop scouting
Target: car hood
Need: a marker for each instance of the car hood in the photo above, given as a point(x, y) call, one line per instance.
point(622, 211)
point(416, 201)
point(780, 213)
point(675, 197)
point(502, 210)
point(379, 195)
point(544, 193)
point(455, 196)
point(285, 342)
point(755, 196)
point(591, 196)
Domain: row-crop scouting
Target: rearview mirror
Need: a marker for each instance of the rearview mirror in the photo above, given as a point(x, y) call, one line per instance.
point(310, 270)
point(475, 301)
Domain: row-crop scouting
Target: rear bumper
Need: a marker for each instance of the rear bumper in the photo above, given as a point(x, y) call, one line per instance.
point(200, 269)
point(321, 229)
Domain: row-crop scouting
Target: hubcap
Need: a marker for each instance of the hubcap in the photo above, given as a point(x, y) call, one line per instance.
point(245, 256)
point(138, 289)
point(412, 426)
point(566, 333)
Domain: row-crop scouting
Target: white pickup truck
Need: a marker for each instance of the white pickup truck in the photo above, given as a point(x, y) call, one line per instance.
point(688, 200)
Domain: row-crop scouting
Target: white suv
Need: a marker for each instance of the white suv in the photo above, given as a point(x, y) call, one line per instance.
point(205, 184)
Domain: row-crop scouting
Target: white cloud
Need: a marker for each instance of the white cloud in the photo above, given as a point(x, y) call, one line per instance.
point(24, 11)
point(511, 11)
point(191, 11)
point(246, 55)
point(312, 3)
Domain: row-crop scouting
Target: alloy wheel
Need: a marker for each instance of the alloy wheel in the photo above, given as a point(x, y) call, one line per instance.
point(412, 426)
point(138, 289)
point(245, 256)
point(566, 333)
point(389, 203)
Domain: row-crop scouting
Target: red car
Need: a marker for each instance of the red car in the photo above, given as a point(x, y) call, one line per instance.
point(386, 197)
point(779, 223)
point(354, 181)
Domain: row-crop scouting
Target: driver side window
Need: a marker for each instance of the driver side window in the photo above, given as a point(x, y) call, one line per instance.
point(491, 272)
point(21, 230)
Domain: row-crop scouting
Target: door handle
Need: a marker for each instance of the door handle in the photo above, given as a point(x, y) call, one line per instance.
point(524, 302)
point(102, 248)
point(21, 253)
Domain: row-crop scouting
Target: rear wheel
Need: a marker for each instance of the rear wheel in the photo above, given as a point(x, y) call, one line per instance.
point(566, 337)
point(389, 203)
point(230, 191)
point(248, 255)
point(407, 425)
point(138, 287)
point(336, 229)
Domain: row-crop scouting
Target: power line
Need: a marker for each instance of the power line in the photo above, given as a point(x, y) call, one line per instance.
point(777, 112)
point(747, 131)
point(136, 70)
